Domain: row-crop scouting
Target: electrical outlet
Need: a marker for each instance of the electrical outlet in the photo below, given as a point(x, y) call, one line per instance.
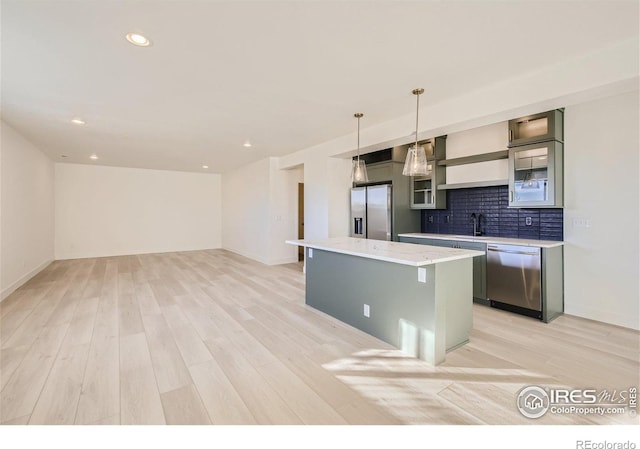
point(422, 275)
point(367, 310)
point(430, 219)
point(447, 218)
point(310, 253)
point(581, 222)
point(527, 221)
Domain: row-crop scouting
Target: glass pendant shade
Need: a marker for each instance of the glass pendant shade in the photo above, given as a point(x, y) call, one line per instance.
point(530, 182)
point(416, 162)
point(359, 171)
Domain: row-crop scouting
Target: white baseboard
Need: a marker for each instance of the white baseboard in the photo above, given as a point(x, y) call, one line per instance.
point(284, 260)
point(117, 253)
point(23, 280)
point(260, 259)
point(247, 255)
point(603, 316)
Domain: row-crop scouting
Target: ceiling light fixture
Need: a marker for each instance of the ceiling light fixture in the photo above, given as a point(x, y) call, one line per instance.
point(416, 162)
point(93, 157)
point(138, 39)
point(77, 121)
point(358, 167)
point(205, 166)
point(247, 144)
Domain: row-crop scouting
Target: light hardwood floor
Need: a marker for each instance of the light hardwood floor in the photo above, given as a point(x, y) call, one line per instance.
point(209, 337)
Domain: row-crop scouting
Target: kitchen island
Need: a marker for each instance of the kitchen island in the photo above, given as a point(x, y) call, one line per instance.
point(415, 297)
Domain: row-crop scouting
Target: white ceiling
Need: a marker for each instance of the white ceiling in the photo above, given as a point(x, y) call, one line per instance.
point(284, 75)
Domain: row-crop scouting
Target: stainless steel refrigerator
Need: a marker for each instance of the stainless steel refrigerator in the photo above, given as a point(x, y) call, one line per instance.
point(371, 212)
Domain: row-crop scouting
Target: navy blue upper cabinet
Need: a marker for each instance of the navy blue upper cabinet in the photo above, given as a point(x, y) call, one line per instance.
point(537, 128)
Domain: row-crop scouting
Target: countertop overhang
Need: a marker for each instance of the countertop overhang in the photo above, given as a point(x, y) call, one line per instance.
point(485, 239)
point(394, 252)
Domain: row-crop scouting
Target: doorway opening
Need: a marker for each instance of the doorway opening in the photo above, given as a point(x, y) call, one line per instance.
point(300, 219)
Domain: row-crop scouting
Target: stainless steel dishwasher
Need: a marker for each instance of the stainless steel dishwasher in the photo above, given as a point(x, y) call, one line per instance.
point(514, 280)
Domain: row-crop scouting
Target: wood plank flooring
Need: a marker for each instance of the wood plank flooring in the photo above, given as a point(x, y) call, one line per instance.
point(210, 337)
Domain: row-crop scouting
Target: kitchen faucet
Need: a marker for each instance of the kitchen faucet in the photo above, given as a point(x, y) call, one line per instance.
point(476, 224)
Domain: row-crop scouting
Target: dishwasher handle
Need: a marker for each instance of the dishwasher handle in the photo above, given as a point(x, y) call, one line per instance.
point(512, 251)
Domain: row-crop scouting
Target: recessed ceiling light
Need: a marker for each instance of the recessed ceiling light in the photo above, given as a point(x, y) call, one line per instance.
point(138, 39)
point(63, 155)
point(93, 157)
point(247, 144)
point(205, 166)
point(77, 121)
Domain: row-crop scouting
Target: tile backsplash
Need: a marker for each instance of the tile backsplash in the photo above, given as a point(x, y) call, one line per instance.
point(497, 219)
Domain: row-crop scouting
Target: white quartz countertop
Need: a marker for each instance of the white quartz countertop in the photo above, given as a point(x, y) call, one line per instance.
point(484, 239)
point(394, 252)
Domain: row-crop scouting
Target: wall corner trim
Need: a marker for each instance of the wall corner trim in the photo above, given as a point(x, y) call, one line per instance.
point(24, 279)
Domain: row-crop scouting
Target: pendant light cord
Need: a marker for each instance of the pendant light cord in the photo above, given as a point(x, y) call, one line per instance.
point(358, 115)
point(417, 93)
point(358, 140)
point(417, 112)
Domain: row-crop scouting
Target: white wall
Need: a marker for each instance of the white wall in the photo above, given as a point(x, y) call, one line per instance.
point(316, 198)
point(339, 200)
point(327, 181)
point(106, 211)
point(601, 223)
point(260, 211)
point(26, 210)
point(245, 210)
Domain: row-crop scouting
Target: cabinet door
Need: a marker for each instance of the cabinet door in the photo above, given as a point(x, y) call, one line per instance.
point(414, 240)
point(380, 172)
point(536, 128)
point(424, 189)
point(422, 196)
point(439, 242)
point(535, 175)
point(479, 268)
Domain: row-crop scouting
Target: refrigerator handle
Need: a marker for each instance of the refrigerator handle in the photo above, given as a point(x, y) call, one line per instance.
point(357, 226)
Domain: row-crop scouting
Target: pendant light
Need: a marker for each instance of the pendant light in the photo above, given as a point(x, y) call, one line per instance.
point(530, 181)
point(416, 162)
point(358, 169)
